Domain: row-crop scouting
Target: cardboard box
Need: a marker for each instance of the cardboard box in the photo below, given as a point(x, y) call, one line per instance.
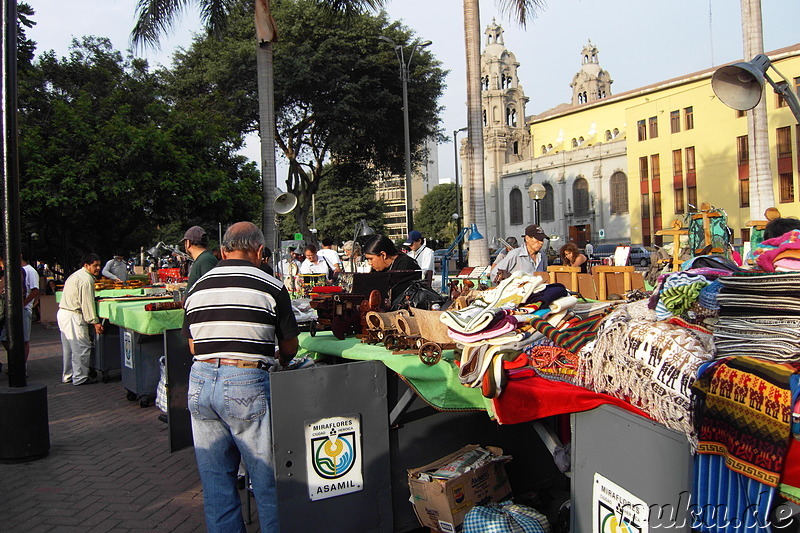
point(442, 504)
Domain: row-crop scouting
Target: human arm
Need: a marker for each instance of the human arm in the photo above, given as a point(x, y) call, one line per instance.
point(286, 330)
point(86, 297)
point(107, 271)
point(579, 260)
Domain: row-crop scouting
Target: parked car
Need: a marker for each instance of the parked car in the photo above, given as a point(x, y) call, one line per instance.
point(639, 254)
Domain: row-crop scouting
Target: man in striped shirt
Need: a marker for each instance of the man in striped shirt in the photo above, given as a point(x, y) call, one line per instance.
point(236, 317)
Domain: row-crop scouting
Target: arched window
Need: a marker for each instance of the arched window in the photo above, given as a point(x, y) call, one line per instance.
point(548, 203)
point(580, 197)
point(615, 133)
point(619, 193)
point(574, 142)
point(516, 147)
point(580, 141)
point(544, 149)
point(484, 118)
point(515, 206)
point(608, 135)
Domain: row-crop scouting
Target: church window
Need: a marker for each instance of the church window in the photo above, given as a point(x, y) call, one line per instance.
point(574, 142)
point(544, 149)
point(585, 98)
point(516, 147)
point(549, 147)
point(548, 203)
point(580, 195)
point(580, 98)
point(580, 141)
point(608, 135)
point(619, 193)
point(515, 206)
point(485, 123)
point(615, 133)
point(511, 117)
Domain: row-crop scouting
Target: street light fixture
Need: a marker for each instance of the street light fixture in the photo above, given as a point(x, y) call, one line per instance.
point(458, 197)
point(741, 85)
point(405, 67)
point(537, 192)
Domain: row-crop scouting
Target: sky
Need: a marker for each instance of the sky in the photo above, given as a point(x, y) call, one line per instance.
point(639, 42)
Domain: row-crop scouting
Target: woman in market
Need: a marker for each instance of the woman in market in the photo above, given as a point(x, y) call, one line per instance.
point(571, 256)
point(383, 256)
point(314, 264)
point(353, 260)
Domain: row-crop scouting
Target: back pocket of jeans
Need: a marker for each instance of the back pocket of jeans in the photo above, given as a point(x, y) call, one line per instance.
point(246, 397)
point(195, 386)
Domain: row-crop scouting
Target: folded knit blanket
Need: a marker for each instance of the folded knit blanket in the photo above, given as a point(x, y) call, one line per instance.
point(678, 293)
point(575, 336)
point(775, 338)
point(504, 325)
point(769, 250)
point(511, 292)
point(650, 364)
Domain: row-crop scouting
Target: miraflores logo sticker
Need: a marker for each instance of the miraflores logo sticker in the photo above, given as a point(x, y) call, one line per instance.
point(616, 510)
point(333, 457)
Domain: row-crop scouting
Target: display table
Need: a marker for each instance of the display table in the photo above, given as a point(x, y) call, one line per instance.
point(437, 385)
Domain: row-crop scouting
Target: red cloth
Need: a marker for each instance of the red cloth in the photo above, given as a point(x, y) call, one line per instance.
point(528, 396)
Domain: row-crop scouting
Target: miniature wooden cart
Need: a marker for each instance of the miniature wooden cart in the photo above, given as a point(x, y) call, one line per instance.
point(434, 336)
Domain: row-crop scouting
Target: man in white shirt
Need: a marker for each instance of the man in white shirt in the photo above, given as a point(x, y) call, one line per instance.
point(421, 254)
point(528, 258)
point(31, 297)
point(330, 255)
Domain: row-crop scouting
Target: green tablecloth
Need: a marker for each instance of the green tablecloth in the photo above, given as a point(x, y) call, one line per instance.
point(132, 316)
point(106, 308)
point(438, 384)
point(110, 293)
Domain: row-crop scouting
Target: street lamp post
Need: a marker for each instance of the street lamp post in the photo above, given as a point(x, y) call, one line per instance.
point(405, 67)
point(537, 192)
point(458, 197)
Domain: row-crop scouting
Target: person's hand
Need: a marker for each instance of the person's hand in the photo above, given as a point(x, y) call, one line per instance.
point(98, 328)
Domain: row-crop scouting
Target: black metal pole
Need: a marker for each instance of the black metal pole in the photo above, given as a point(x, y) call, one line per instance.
point(458, 199)
point(536, 212)
point(11, 223)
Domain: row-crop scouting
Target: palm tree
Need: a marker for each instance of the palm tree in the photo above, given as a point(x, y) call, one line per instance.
point(522, 10)
point(762, 195)
point(156, 17)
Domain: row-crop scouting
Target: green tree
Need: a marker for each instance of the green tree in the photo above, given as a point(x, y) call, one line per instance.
point(106, 157)
point(337, 91)
point(435, 216)
point(155, 17)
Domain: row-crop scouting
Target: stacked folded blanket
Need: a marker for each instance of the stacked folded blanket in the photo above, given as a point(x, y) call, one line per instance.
point(759, 316)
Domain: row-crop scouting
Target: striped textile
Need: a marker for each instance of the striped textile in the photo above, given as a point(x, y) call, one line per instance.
point(238, 311)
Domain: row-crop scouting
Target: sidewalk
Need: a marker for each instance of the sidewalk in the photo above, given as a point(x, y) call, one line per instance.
point(109, 467)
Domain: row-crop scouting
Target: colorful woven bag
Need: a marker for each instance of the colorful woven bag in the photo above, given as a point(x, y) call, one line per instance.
point(505, 517)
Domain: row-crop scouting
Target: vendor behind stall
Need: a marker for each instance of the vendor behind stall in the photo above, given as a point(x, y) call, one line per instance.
point(383, 256)
point(195, 241)
point(529, 258)
point(314, 264)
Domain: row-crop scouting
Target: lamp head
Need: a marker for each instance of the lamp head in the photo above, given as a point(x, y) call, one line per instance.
point(740, 86)
point(364, 229)
point(474, 234)
point(424, 44)
point(536, 191)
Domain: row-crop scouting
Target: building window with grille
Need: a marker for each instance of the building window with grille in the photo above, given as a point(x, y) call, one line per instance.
point(580, 197)
point(653, 127)
point(786, 180)
point(655, 166)
point(641, 128)
point(619, 193)
point(548, 203)
point(784, 141)
point(677, 181)
point(785, 164)
point(691, 177)
point(643, 174)
point(742, 150)
point(675, 121)
point(743, 170)
point(688, 118)
point(515, 206)
point(744, 193)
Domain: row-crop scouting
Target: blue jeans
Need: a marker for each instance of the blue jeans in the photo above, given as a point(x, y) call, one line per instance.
point(230, 409)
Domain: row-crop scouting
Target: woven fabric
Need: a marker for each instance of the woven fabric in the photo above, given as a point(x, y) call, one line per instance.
point(650, 364)
point(677, 294)
point(743, 410)
point(708, 295)
point(774, 338)
point(574, 337)
point(505, 517)
point(769, 250)
point(553, 362)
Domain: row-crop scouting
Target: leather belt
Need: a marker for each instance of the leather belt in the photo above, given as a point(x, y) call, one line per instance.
point(240, 363)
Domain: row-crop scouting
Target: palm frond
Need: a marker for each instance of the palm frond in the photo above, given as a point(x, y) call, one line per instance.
point(154, 18)
point(521, 10)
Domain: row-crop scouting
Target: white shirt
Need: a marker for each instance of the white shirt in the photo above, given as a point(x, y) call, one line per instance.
point(330, 256)
point(424, 258)
point(320, 267)
point(31, 282)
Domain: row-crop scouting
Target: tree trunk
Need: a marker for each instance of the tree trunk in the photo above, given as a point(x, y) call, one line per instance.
point(266, 127)
point(762, 194)
point(475, 190)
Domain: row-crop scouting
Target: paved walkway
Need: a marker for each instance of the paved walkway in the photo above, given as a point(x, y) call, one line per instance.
point(109, 467)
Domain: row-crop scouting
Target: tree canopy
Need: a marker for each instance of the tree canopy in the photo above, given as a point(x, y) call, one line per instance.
point(338, 95)
point(435, 216)
point(107, 156)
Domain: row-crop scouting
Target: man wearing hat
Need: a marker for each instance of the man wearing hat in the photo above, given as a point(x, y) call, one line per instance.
point(421, 254)
point(529, 258)
point(195, 241)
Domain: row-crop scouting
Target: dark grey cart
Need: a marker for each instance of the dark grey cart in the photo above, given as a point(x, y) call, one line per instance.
point(106, 352)
point(140, 366)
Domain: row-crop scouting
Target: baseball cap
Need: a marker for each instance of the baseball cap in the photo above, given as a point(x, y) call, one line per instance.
point(195, 234)
point(413, 236)
point(536, 232)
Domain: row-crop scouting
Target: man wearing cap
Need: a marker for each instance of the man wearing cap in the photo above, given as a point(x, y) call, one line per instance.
point(116, 268)
point(195, 241)
point(421, 254)
point(528, 258)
